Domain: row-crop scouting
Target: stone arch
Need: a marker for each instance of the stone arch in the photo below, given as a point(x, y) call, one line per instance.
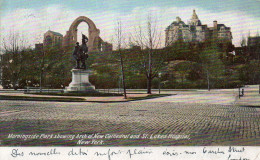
point(71, 36)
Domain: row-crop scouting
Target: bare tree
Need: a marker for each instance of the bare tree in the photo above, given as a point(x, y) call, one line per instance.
point(119, 41)
point(149, 39)
point(13, 49)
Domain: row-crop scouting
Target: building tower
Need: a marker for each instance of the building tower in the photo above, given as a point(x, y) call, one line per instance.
point(195, 19)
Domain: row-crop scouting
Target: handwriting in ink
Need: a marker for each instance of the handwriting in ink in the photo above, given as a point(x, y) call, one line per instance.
point(109, 153)
point(170, 153)
point(236, 149)
point(80, 152)
point(240, 158)
point(138, 152)
point(15, 153)
point(190, 152)
point(49, 153)
point(212, 151)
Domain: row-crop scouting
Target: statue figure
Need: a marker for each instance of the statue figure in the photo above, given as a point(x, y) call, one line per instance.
point(80, 53)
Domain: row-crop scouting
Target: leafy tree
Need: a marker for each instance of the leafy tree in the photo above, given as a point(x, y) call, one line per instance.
point(250, 72)
point(180, 50)
point(212, 65)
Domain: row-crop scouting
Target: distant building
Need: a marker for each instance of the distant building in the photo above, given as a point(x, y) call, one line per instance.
point(253, 46)
point(105, 47)
point(240, 51)
point(194, 31)
point(39, 46)
point(253, 41)
point(52, 38)
point(1, 71)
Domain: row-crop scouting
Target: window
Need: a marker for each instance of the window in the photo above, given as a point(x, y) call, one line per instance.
point(48, 40)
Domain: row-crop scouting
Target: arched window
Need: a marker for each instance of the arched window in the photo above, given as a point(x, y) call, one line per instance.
point(48, 40)
point(222, 28)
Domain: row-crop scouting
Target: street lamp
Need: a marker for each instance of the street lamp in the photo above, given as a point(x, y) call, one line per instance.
point(1, 71)
point(41, 79)
point(159, 74)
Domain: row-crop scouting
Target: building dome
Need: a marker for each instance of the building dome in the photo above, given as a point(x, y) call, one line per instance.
point(194, 15)
point(195, 19)
point(178, 21)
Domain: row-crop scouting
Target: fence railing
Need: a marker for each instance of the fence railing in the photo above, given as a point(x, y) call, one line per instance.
point(111, 90)
point(42, 90)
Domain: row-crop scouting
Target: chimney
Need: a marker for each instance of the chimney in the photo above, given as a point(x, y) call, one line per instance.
point(215, 24)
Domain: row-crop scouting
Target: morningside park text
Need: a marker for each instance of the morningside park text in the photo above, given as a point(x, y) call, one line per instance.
point(96, 138)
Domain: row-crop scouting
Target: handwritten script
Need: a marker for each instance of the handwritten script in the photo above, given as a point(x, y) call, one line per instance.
point(115, 153)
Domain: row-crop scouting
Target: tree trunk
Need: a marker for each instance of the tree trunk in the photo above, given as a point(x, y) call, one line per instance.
point(14, 86)
point(149, 77)
point(208, 80)
point(123, 73)
point(149, 85)
point(41, 81)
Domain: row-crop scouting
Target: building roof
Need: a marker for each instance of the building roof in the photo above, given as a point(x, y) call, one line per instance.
point(254, 38)
point(176, 23)
point(253, 41)
point(219, 26)
point(55, 33)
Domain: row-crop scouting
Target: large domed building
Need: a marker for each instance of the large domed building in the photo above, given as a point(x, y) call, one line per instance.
point(194, 31)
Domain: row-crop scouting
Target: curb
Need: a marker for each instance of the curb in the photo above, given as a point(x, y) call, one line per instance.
point(18, 98)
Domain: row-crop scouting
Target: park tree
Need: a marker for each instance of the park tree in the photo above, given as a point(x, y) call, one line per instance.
point(182, 71)
point(53, 66)
point(149, 59)
point(249, 73)
point(212, 65)
point(119, 42)
point(15, 52)
point(181, 50)
point(106, 69)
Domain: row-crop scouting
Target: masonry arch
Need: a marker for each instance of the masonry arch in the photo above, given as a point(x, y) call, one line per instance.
point(71, 36)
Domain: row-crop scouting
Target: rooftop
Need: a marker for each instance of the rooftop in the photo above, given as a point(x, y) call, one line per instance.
point(56, 33)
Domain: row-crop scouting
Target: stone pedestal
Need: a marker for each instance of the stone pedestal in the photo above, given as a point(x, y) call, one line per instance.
point(80, 82)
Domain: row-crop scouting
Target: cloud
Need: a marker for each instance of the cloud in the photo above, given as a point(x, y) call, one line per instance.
point(33, 23)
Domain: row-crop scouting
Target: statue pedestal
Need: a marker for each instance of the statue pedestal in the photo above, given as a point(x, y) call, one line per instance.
point(80, 82)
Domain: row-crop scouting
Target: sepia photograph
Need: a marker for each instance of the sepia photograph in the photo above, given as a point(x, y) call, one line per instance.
point(130, 73)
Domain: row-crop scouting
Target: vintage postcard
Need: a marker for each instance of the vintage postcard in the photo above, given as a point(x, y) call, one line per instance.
point(103, 79)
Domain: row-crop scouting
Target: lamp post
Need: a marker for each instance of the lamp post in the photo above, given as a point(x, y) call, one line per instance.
point(41, 80)
point(42, 69)
point(1, 71)
point(159, 74)
point(119, 84)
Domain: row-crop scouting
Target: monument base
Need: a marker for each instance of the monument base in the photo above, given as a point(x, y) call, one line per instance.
point(80, 82)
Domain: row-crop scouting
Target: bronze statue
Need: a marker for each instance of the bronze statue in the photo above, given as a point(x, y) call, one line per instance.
point(80, 53)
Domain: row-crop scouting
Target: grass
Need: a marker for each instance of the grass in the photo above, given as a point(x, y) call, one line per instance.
point(42, 98)
point(94, 94)
point(77, 99)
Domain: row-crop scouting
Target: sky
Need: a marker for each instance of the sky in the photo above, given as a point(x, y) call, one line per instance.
point(32, 18)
